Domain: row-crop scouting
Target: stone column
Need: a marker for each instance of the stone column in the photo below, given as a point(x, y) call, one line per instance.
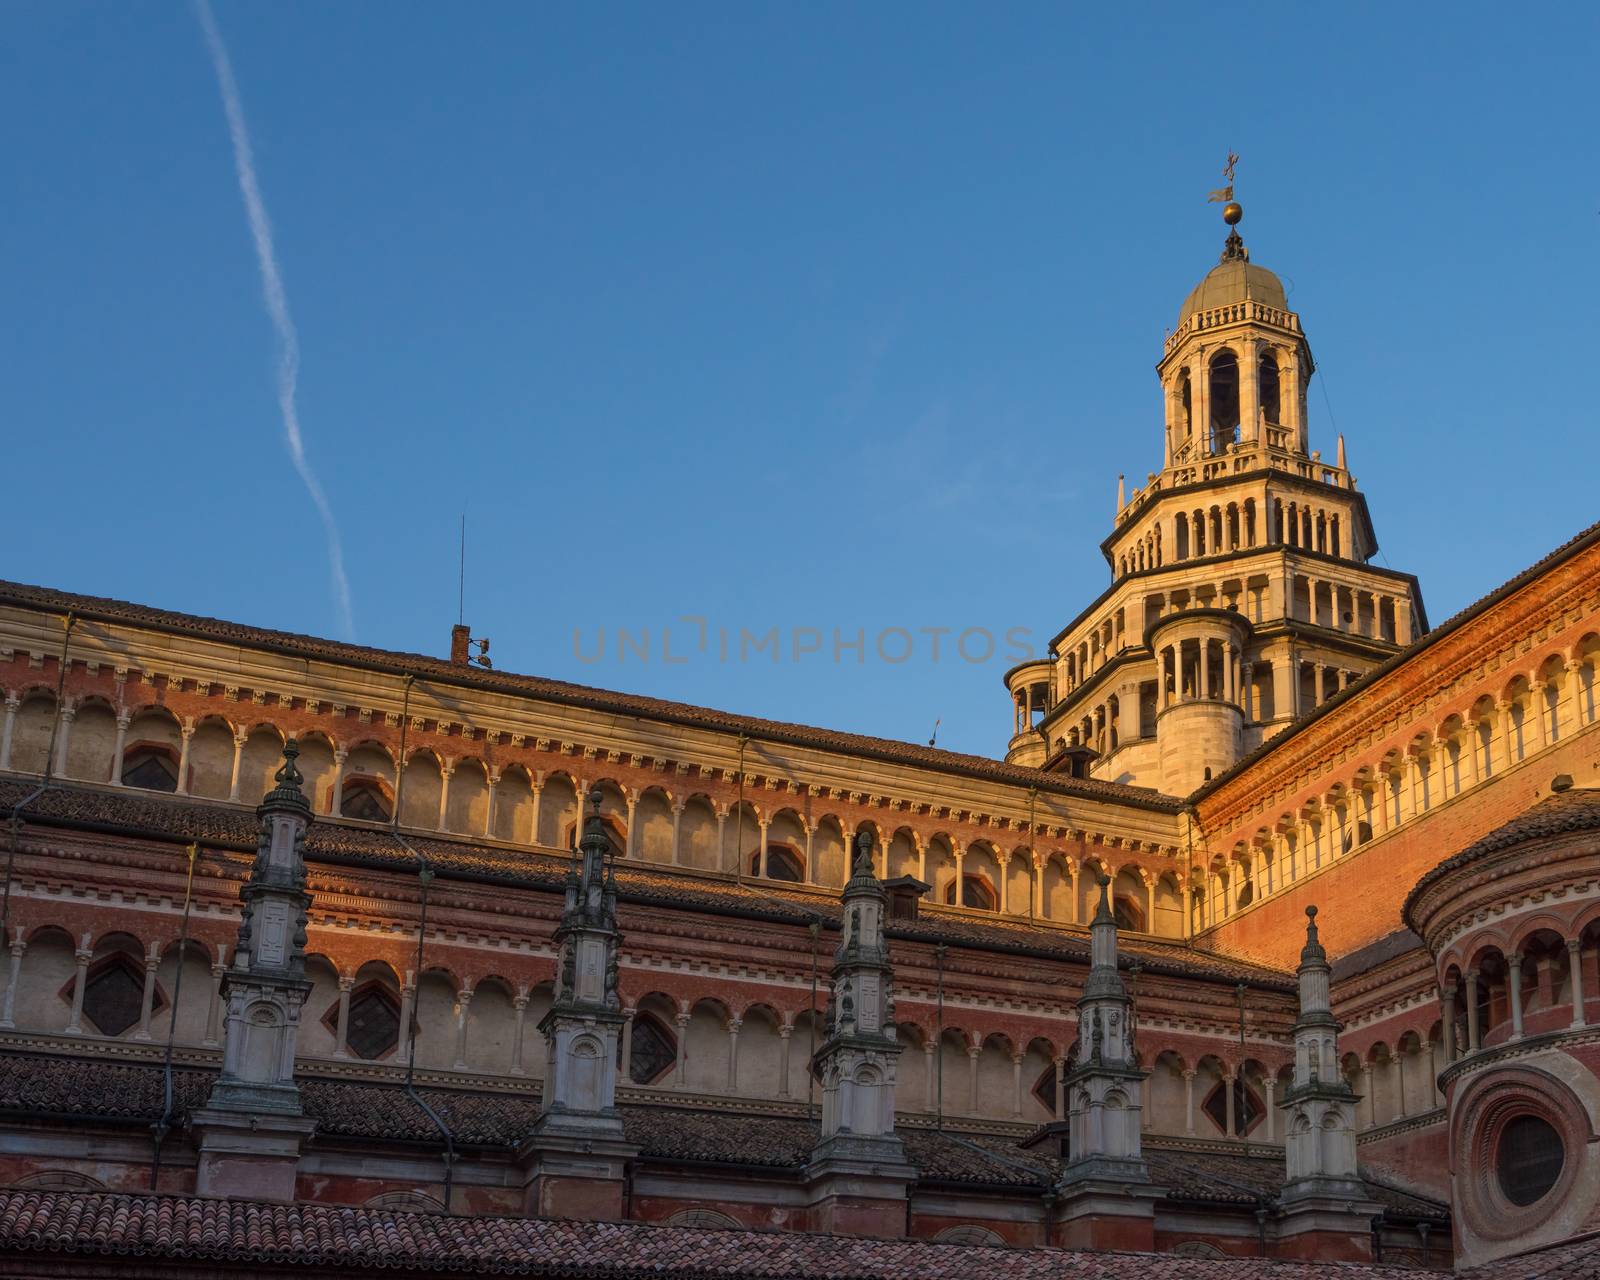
point(973, 1051)
point(625, 1066)
point(239, 739)
point(785, 1036)
point(519, 1003)
point(1433, 1073)
point(408, 1004)
point(463, 1003)
point(1569, 710)
point(1269, 1085)
point(446, 772)
point(1249, 398)
point(1232, 1130)
point(632, 845)
point(1061, 1088)
point(761, 864)
point(152, 961)
point(8, 1010)
point(341, 1033)
point(1447, 1021)
point(1188, 1101)
point(1369, 1104)
point(680, 1072)
point(492, 785)
point(9, 731)
point(1203, 680)
point(1575, 968)
point(214, 1007)
point(677, 833)
point(186, 736)
point(1514, 981)
point(1016, 1086)
point(336, 798)
point(722, 843)
point(82, 955)
point(733, 1055)
point(1474, 1032)
point(538, 804)
point(123, 721)
point(1399, 1060)
point(930, 1075)
point(67, 713)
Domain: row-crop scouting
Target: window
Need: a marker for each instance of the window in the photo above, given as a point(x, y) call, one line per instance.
point(374, 1022)
point(654, 1049)
point(364, 798)
point(1128, 915)
point(975, 892)
point(1528, 1159)
point(1044, 1089)
point(150, 769)
point(113, 994)
point(1247, 1108)
point(783, 863)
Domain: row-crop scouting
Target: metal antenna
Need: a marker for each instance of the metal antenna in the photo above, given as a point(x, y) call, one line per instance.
point(935, 736)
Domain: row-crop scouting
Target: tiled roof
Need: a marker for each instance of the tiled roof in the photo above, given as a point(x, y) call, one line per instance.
point(173, 1228)
point(1386, 948)
point(1555, 815)
point(439, 671)
point(1356, 688)
point(86, 1088)
point(336, 843)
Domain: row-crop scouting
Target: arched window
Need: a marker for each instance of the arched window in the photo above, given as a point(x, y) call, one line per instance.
point(783, 863)
point(1130, 915)
point(616, 837)
point(150, 769)
point(1224, 424)
point(653, 1049)
point(366, 799)
point(1271, 396)
point(975, 892)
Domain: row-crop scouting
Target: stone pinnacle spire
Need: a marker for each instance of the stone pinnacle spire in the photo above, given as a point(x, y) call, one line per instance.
point(576, 1153)
point(1104, 1198)
point(1320, 1134)
point(251, 1127)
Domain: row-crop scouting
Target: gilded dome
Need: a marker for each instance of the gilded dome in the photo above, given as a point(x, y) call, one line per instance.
point(1232, 281)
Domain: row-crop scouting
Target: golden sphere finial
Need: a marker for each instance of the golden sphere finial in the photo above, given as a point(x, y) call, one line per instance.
point(1232, 212)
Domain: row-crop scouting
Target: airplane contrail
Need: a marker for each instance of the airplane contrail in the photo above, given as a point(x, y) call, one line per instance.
point(277, 303)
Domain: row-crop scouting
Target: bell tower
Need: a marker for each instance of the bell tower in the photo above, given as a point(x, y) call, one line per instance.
point(1242, 591)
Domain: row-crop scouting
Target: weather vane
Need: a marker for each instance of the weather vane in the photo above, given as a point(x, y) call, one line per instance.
point(1223, 195)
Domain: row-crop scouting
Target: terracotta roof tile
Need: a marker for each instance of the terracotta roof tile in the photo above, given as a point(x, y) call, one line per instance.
point(58, 1223)
point(41, 1085)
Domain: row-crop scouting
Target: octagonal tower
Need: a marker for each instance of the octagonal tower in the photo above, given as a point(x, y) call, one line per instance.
point(1242, 591)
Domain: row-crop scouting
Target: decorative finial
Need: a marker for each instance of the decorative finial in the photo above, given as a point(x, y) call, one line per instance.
point(1313, 952)
point(288, 777)
point(594, 799)
point(1232, 211)
point(863, 864)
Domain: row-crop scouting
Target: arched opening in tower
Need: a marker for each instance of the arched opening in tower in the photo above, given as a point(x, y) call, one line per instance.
point(1271, 396)
point(1224, 401)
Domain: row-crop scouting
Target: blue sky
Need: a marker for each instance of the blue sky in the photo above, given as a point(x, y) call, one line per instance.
point(823, 316)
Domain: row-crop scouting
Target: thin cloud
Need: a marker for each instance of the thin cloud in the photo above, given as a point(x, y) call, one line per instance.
point(277, 304)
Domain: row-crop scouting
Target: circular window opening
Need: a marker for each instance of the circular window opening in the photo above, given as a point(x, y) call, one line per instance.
point(1529, 1159)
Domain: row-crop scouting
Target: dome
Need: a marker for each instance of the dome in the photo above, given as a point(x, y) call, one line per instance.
point(1233, 281)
